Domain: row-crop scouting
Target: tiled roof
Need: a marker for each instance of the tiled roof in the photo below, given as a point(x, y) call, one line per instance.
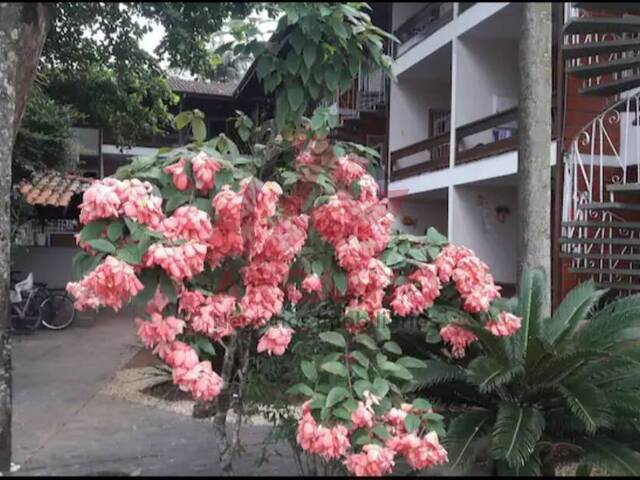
point(202, 88)
point(53, 188)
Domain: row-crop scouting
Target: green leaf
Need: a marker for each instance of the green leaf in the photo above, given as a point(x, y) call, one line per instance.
point(168, 288)
point(411, 362)
point(293, 62)
point(532, 288)
point(309, 54)
point(417, 254)
point(516, 432)
point(301, 389)
point(102, 245)
point(334, 338)
point(199, 130)
point(436, 372)
point(380, 387)
point(488, 373)
point(436, 238)
point(309, 370)
point(366, 340)
point(182, 119)
point(340, 281)
point(360, 358)
point(317, 268)
point(611, 456)
point(130, 254)
point(412, 422)
point(331, 78)
point(573, 309)
point(392, 347)
point(295, 94)
point(92, 230)
point(336, 368)
point(381, 431)
point(361, 386)
point(587, 403)
point(336, 395)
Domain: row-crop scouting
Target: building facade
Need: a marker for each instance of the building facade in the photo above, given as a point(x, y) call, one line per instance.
point(452, 134)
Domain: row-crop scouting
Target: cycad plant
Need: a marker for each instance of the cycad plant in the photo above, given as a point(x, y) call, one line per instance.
point(564, 389)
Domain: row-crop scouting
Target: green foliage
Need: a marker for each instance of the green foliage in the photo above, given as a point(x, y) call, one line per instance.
point(564, 387)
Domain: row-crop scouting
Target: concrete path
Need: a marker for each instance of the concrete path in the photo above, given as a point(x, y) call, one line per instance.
point(63, 425)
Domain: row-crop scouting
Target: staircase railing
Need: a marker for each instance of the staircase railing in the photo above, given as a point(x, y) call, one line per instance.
point(606, 151)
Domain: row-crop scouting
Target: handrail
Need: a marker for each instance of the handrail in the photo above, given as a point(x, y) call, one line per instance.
point(426, 20)
point(486, 123)
point(420, 146)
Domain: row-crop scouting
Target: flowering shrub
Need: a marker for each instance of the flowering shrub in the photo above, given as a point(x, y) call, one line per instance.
point(214, 254)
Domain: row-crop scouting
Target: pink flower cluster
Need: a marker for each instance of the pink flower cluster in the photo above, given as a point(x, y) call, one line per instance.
point(204, 171)
point(189, 373)
point(111, 284)
point(178, 174)
point(506, 325)
point(226, 238)
point(111, 198)
point(458, 337)
point(329, 443)
point(211, 315)
point(187, 223)
point(409, 300)
point(180, 262)
point(420, 453)
point(372, 461)
point(470, 275)
point(159, 329)
point(275, 341)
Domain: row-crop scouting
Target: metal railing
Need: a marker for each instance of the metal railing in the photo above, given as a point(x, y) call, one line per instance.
point(606, 151)
point(422, 24)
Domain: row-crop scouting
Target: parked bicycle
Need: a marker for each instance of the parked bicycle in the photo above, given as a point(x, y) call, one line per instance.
point(33, 305)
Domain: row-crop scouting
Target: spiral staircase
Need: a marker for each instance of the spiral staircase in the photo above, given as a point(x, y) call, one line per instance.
point(601, 192)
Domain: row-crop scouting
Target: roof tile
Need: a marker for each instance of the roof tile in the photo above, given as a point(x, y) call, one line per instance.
point(53, 188)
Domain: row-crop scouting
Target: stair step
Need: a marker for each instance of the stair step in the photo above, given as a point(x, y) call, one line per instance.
point(607, 271)
point(586, 224)
point(610, 206)
point(627, 257)
point(618, 286)
point(612, 87)
point(601, 68)
point(600, 48)
point(624, 187)
point(602, 25)
point(613, 7)
point(601, 241)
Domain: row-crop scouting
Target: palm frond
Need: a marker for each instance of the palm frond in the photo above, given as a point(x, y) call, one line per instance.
point(531, 468)
point(488, 373)
point(605, 332)
point(587, 403)
point(463, 432)
point(516, 432)
point(573, 309)
point(435, 372)
point(554, 368)
point(530, 304)
point(613, 457)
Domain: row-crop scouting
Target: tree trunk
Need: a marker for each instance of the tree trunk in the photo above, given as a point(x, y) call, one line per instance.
point(23, 29)
point(535, 141)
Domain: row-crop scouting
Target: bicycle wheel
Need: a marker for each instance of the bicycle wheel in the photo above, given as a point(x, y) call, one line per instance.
point(57, 311)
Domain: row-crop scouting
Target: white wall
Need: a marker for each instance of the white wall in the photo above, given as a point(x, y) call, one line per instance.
point(51, 265)
point(474, 224)
point(411, 99)
point(428, 213)
point(485, 68)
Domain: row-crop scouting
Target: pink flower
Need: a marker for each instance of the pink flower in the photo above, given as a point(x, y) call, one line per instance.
point(158, 303)
point(408, 300)
point(213, 317)
point(349, 169)
point(507, 325)
point(275, 341)
point(420, 453)
point(187, 223)
point(331, 443)
point(99, 201)
point(260, 303)
point(159, 329)
point(179, 262)
point(293, 294)
point(111, 284)
point(204, 171)
point(201, 381)
point(373, 461)
point(307, 430)
point(363, 416)
point(180, 178)
point(458, 337)
point(312, 283)
point(138, 203)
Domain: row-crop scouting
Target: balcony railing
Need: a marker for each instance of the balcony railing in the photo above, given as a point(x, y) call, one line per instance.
point(423, 24)
point(433, 155)
point(499, 135)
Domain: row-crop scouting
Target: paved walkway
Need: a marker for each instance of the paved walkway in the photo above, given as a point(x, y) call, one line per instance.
point(63, 425)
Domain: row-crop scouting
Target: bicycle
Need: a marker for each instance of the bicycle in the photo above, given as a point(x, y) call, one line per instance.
point(33, 305)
